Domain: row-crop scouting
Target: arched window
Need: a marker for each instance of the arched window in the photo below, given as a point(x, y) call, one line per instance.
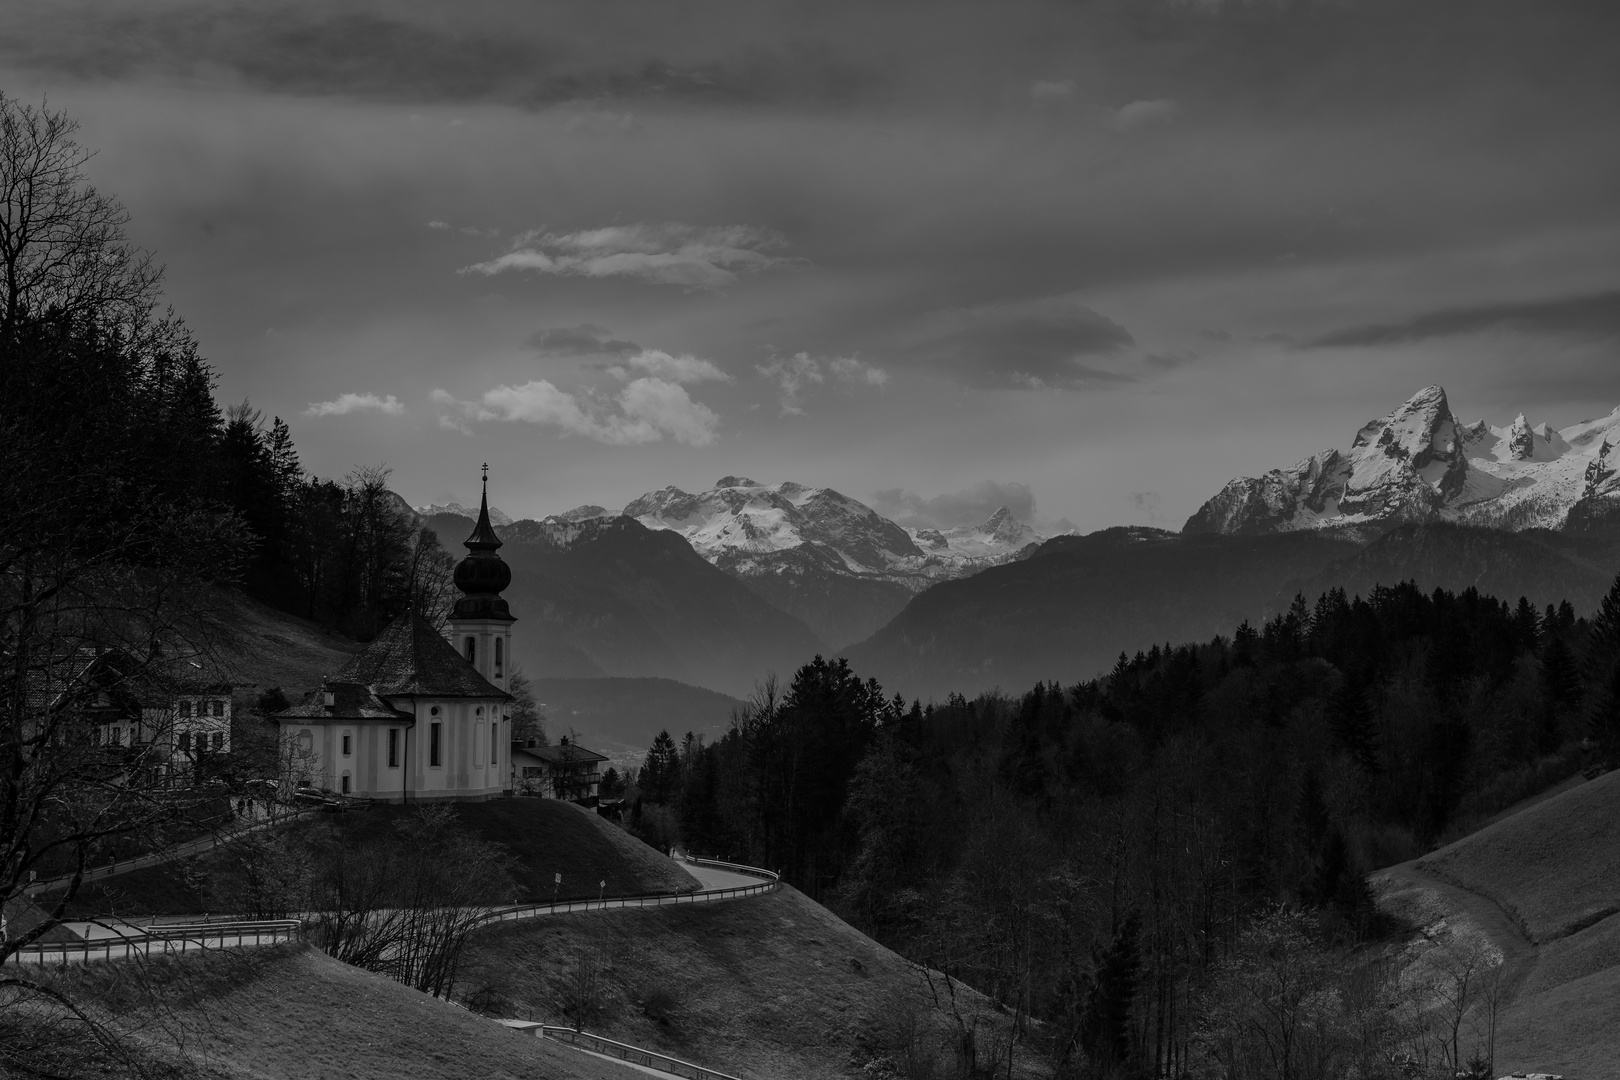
point(472, 649)
point(497, 658)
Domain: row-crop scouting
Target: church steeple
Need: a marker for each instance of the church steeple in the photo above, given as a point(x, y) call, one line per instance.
point(483, 537)
point(483, 573)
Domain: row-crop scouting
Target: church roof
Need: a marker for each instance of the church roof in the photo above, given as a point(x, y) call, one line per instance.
point(350, 701)
point(411, 657)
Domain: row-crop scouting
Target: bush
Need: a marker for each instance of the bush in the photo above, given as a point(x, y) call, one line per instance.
point(658, 1003)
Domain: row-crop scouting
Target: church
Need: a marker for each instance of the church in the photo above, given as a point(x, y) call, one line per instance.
point(416, 717)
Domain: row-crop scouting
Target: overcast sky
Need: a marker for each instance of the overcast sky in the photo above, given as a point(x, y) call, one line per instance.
point(1090, 258)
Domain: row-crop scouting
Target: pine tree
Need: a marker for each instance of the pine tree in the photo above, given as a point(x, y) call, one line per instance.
point(1527, 625)
point(1350, 716)
point(661, 771)
point(1244, 643)
point(1105, 1026)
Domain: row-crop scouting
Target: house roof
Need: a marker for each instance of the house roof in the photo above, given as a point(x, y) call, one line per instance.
point(564, 754)
point(411, 657)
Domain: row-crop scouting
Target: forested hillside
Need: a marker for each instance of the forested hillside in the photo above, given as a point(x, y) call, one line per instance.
point(1102, 855)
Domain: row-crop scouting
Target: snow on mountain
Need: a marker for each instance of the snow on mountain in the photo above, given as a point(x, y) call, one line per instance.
point(1420, 464)
point(496, 517)
point(747, 526)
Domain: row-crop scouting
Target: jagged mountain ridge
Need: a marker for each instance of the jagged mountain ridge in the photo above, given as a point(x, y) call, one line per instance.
point(496, 516)
point(818, 554)
point(1420, 464)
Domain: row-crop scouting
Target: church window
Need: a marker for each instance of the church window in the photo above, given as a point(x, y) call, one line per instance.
point(472, 650)
point(393, 748)
point(218, 741)
point(433, 711)
point(497, 658)
point(433, 743)
point(346, 749)
point(345, 783)
point(185, 741)
point(494, 742)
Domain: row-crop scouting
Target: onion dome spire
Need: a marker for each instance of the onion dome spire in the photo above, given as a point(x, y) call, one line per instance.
point(483, 573)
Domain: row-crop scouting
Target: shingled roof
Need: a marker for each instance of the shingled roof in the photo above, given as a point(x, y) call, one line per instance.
point(411, 657)
point(349, 702)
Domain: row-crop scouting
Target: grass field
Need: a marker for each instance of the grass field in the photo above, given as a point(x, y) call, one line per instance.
point(1542, 885)
point(544, 836)
point(770, 986)
point(291, 1012)
point(1554, 867)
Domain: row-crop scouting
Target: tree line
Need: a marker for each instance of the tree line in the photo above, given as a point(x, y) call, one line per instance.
point(1105, 856)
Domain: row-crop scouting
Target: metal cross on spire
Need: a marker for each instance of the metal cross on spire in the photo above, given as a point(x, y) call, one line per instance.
point(486, 477)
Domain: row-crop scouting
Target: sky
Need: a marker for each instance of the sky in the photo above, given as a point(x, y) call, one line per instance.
point(1089, 259)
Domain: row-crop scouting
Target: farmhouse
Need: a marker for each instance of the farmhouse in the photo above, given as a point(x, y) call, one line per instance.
point(416, 717)
point(564, 771)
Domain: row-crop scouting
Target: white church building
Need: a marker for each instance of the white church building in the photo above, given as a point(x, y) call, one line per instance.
point(416, 717)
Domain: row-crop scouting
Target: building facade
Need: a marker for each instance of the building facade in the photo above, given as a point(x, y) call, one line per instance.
point(417, 716)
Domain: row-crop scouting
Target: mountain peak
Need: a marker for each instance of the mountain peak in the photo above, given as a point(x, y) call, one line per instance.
point(1418, 464)
point(736, 482)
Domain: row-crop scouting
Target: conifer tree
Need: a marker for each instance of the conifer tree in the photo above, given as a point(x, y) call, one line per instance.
point(1351, 719)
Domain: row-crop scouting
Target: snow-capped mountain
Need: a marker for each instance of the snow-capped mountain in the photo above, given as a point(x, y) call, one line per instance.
point(742, 522)
point(495, 516)
point(821, 555)
point(1421, 464)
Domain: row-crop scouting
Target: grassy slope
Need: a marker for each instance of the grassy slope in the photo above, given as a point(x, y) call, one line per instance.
point(772, 986)
point(1554, 867)
point(544, 836)
point(267, 648)
point(289, 1011)
point(1538, 883)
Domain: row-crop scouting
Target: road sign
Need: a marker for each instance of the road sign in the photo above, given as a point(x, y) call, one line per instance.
point(559, 879)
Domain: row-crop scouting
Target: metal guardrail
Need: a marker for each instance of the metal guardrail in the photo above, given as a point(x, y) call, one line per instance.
point(172, 937)
point(651, 1059)
point(529, 911)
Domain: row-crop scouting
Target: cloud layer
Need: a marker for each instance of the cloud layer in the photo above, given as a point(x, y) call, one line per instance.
point(665, 254)
point(644, 411)
point(1593, 315)
point(970, 506)
point(344, 404)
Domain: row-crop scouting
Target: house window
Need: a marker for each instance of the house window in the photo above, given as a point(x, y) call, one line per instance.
point(393, 748)
point(346, 749)
point(472, 650)
point(185, 708)
point(497, 658)
point(433, 743)
point(219, 708)
point(115, 737)
point(218, 741)
point(345, 783)
point(185, 741)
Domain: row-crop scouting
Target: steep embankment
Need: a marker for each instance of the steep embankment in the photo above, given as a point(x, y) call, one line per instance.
point(261, 647)
point(544, 837)
point(770, 986)
point(289, 1011)
point(1539, 889)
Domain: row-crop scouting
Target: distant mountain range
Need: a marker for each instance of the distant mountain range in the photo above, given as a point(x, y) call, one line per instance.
point(1420, 464)
point(496, 516)
point(609, 597)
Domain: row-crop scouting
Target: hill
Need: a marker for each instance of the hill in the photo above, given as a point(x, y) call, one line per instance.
point(543, 836)
point(609, 597)
point(624, 713)
point(1545, 566)
point(770, 986)
point(1540, 890)
point(290, 1011)
point(1066, 611)
point(263, 647)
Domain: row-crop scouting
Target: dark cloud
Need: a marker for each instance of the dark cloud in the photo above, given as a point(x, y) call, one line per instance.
point(586, 339)
point(1596, 315)
point(970, 506)
point(1034, 345)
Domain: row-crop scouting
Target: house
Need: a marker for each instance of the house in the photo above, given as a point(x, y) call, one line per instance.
point(418, 715)
point(169, 728)
point(564, 771)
